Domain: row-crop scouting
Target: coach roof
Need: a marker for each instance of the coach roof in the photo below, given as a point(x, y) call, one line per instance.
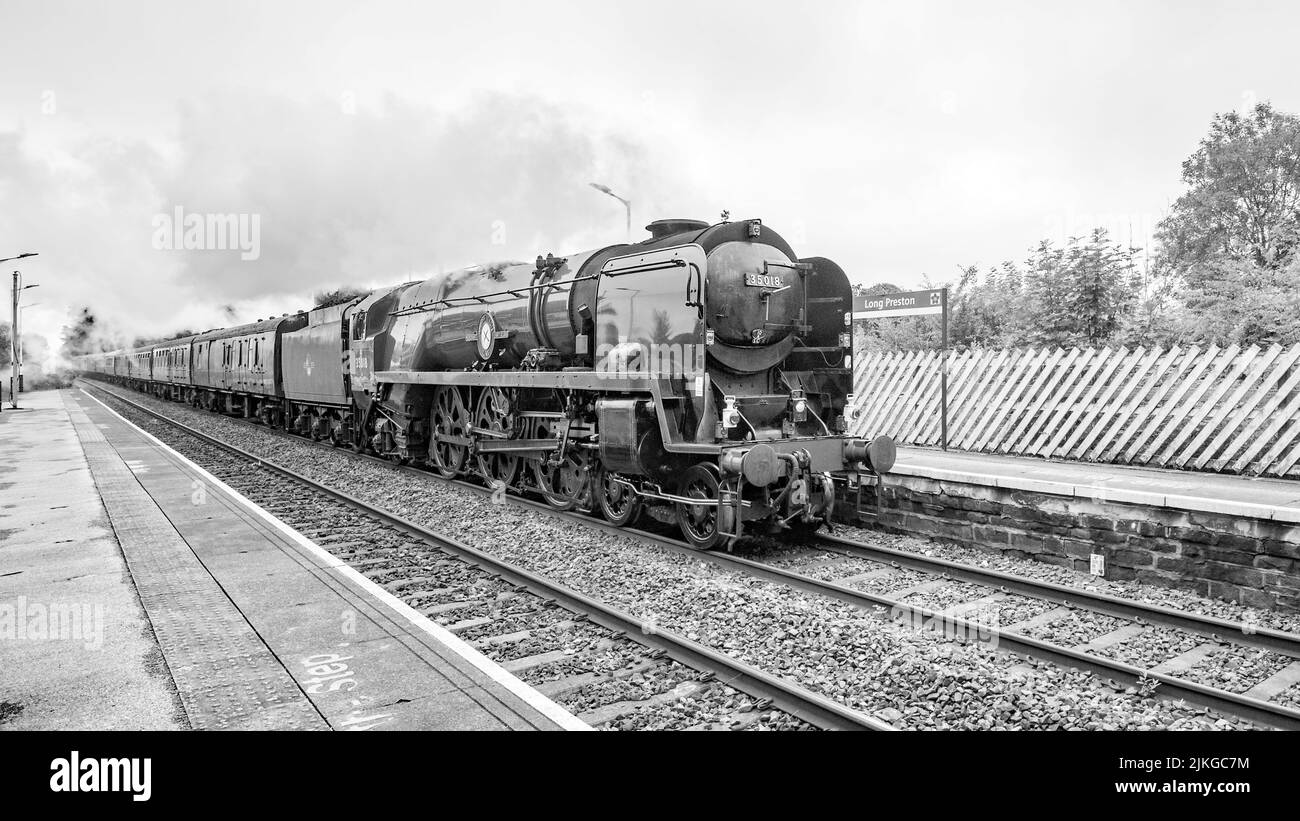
point(258, 327)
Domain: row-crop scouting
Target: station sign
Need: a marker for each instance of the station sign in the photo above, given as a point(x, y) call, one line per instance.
point(903, 303)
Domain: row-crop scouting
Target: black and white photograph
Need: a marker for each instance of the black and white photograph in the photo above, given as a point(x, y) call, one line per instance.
point(445, 371)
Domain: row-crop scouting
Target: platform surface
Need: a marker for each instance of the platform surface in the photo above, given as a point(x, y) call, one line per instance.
point(96, 665)
point(259, 627)
point(1276, 499)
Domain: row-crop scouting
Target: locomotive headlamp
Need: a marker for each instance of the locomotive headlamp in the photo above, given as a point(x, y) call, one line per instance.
point(798, 405)
point(730, 415)
point(846, 339)
point(755, 228)
point(851, 406)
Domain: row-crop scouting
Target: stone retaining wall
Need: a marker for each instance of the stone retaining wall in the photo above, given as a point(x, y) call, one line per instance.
point(1242, 559)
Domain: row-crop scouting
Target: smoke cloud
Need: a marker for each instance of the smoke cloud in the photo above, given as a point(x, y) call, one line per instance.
point(340, 195)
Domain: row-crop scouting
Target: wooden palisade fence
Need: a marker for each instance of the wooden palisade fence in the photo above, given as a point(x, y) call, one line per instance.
point(1231, 409)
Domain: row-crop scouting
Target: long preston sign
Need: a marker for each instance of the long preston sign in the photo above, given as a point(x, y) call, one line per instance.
point(903, 303)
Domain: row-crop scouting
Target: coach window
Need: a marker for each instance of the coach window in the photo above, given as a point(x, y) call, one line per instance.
point(257, 352)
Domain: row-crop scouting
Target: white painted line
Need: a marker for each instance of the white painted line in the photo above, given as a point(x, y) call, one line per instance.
point(1225, 506)
point(1103, 490)
point(490, 668)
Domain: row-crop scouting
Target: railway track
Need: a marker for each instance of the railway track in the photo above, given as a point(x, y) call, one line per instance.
point(987, 587)
point(368, 524)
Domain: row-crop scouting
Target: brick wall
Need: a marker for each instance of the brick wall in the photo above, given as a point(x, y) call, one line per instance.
point(1241, 559)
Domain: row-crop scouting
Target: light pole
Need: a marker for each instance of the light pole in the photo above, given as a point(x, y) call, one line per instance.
point(15, 346)
point(604, 189)
point(631, 309)
point(16, 362)
point(16, 342)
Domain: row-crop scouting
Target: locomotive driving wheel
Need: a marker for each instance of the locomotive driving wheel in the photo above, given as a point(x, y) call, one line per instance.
point(619, 504)
point(566, 485)
point(703, 525)
point(448, 432)
point(493, 413)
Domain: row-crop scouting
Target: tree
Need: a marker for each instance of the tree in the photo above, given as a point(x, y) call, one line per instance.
point(1236, 302)
point(1229, 245)
point(1079, 294)
point(1159, 317)
point(1100, 285)
point(662, 331)
point(1243, 195)
point(984, 313)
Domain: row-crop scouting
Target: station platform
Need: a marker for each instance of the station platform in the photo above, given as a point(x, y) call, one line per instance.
point(214, 614)
point(1261, 498)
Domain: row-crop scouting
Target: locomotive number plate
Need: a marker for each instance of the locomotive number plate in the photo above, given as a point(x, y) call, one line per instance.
point(764, 280)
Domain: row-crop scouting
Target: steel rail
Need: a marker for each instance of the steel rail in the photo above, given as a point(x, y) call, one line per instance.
point(1210, 626)
point(786, 695)
point(1170, 687)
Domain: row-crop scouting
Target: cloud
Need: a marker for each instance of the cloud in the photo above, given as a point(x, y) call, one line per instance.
point(343, 195)
point(381, 195)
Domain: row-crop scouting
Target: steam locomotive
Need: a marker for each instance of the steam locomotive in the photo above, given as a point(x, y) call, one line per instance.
point(705, 371)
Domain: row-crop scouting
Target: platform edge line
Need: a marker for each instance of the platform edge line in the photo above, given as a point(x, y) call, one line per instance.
point(487, 666)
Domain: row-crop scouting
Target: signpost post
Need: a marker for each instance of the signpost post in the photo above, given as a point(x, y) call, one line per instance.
point(914, 303)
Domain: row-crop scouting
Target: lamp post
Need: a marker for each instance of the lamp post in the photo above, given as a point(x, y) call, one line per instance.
point(604, 189)
point(631, 309)
point(12, 333)
point(15, 357)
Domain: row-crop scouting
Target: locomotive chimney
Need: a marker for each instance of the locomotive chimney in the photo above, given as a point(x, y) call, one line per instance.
point(664, 228)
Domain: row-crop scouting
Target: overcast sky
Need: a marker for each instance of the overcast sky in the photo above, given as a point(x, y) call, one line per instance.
point(380, 141)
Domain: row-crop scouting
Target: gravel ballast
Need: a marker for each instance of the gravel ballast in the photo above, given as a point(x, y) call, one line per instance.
point(911, 678)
